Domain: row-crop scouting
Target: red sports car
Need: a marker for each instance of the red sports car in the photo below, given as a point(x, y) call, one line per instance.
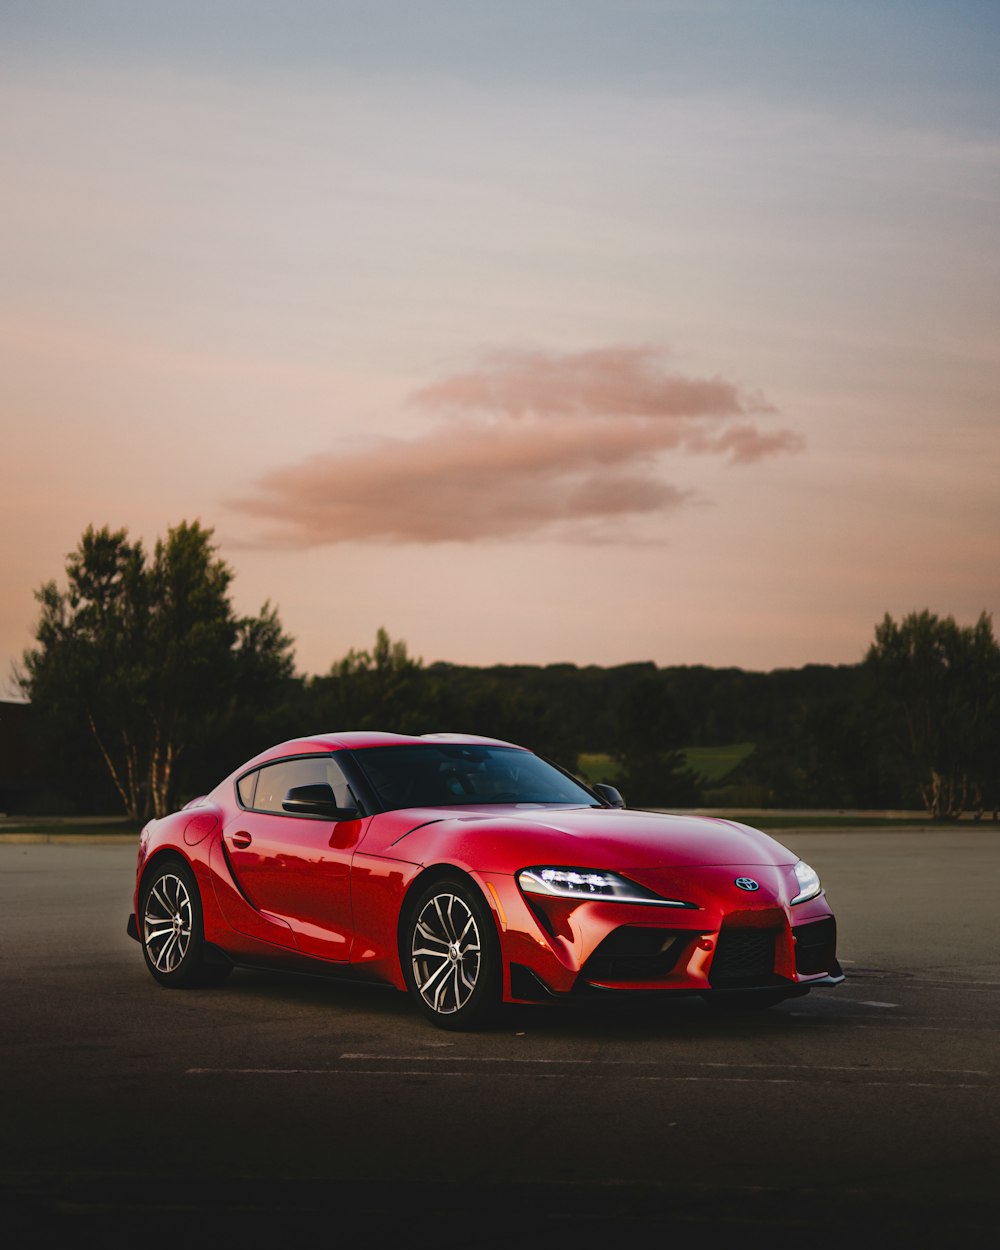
point(470, 872)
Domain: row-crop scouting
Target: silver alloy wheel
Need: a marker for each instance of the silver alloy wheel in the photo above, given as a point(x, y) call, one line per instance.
point(166, 925)
point(446, 953)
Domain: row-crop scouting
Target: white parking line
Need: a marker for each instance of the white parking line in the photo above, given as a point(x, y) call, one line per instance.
point(370, 1057)
point(919, 983)
point(848, 1002)
point(975, 1022)
point(557, 1076)
point(476, 1059)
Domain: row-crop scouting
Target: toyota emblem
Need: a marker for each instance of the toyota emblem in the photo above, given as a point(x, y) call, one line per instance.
point(747, 883)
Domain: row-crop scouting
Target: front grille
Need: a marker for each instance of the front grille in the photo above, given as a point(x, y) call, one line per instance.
point(743, 957)
point(635, 954)
point(816, 947)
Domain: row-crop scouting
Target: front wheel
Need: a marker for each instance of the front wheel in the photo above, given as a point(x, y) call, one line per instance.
point(451, 956)
point(172, 934)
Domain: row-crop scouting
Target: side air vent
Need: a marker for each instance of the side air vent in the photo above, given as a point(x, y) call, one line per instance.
point(816, 947)
point(632, 953)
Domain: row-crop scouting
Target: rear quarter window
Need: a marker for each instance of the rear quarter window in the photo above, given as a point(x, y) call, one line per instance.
point(245, 788)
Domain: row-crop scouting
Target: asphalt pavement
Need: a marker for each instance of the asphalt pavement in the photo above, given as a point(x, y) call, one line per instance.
point(277, 1108)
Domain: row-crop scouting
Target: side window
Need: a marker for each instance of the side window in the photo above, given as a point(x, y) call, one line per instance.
point(275, 780)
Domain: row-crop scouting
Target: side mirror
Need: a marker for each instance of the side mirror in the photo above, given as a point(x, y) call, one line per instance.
point(609, 794)
point(317, 800)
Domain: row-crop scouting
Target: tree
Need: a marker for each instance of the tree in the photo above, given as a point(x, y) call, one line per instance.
point(378, 689)
point(936, 695)
point(653, 770)
point(145, 656)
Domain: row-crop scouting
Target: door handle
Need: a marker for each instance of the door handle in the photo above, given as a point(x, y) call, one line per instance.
point(241, 839)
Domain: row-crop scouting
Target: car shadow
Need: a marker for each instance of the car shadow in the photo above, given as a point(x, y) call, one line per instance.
point(602, 1019)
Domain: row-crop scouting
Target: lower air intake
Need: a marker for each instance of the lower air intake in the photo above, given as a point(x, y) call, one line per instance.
point(743, 957)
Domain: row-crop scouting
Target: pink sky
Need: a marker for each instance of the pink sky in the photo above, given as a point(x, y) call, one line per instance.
point(547, 362)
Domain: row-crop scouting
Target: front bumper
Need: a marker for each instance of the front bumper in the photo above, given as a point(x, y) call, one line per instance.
point(556, 947)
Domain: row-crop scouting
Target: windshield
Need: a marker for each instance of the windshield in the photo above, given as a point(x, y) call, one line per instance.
point(452, 775)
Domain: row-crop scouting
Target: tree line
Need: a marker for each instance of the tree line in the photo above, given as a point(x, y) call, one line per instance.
point(146, 687)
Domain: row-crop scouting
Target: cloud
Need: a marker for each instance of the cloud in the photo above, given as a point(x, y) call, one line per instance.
point(746, 442)
point(605, 381)
point(564, 446)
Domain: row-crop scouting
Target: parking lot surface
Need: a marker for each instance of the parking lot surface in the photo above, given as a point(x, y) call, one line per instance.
point(276, 1107)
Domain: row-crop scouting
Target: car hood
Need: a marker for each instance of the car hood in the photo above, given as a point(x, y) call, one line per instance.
point(505, 839)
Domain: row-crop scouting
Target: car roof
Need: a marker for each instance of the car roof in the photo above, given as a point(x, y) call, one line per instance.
point(360, 739)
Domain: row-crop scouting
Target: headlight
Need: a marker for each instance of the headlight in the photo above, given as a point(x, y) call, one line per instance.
point(808, 879)
point(582, 883)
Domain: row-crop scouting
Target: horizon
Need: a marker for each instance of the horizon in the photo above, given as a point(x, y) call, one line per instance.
point(14, 696)
point(578, 333)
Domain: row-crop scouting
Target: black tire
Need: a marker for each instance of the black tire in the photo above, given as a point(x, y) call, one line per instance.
point(450, 954)
point(745, 1000)
point(171, 929)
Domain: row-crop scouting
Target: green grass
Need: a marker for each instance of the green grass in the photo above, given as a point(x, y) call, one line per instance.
point(773, 822)
point(713, 763)
point(51, 826)
point(593, 767)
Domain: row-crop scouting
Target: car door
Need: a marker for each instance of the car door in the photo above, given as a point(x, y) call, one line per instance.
point(296, 867)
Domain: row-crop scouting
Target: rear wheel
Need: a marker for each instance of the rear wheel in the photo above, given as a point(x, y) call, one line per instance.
point(451, 956)
point(171, 929)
